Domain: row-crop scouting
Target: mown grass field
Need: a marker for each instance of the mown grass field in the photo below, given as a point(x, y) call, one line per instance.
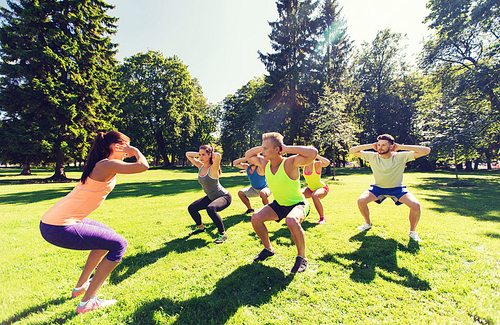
point(374, 277)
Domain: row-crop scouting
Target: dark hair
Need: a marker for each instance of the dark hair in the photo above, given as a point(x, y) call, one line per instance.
point(387, 137)
point(209, 149)
point(100, 150)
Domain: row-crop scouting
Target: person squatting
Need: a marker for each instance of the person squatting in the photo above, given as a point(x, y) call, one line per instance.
point(273, 168)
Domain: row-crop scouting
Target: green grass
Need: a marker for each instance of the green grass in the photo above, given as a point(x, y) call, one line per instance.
point(452, 277)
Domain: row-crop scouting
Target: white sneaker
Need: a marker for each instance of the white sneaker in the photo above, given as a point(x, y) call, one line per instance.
point(414, 236)
point(365, 226)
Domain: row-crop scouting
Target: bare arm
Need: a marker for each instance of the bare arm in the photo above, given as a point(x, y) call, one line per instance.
point(216, 159)
point(357, 149)
point(240, 163)
point(419, 151)
point(106, 169)
point(304, 155)
point(192, 155)
point(324, 161)
point(252, 156)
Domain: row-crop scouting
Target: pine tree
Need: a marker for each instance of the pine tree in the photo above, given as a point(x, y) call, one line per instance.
point(292, 39)
point(57, 72)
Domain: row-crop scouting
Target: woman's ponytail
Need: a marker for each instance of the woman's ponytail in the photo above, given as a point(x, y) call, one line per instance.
point(101, 150)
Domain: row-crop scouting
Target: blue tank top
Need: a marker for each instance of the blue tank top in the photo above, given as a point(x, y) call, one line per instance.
point(257, 181)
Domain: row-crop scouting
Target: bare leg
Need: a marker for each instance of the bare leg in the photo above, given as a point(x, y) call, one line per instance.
point(411, 201)
point(265, 199)
point(306, 192)
point(101, 274)
point(244, 199)
point(93, 260)
point(258, 218)
point(293, 222)
point(363, 201)
point(316, 197)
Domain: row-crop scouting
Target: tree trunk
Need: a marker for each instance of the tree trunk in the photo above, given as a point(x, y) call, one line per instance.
point(162, 148)
point(334, 163)
point(468, 165)
point(456, 164)
point(59, 173)
point(488, 158)
point(26, 169)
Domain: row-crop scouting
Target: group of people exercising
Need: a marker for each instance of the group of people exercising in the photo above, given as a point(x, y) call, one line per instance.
point(66, 224)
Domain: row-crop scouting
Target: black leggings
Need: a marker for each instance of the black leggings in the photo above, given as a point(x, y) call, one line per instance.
point(212, 208)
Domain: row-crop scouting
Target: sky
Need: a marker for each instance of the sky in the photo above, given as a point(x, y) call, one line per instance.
point(218, 39)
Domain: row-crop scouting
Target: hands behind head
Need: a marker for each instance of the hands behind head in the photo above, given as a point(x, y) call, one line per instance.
point(126, 148)
point(283, 149)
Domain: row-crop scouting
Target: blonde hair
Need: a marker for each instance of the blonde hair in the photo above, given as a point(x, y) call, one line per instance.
point(275, 138)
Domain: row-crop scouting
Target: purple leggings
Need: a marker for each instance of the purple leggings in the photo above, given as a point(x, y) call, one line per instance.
point(86, 235)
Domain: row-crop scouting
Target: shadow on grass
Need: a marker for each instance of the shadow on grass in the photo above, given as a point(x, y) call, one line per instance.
point(478, 202)
point(131, 264)
point(61, 319)
point(249, 285)
point(377, 256)
point(284, 232)
point(492, 235)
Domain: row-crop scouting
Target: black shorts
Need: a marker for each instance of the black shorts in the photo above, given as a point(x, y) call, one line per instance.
point(282, 210)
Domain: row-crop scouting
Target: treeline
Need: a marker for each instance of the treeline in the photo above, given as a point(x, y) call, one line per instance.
point(60, 84)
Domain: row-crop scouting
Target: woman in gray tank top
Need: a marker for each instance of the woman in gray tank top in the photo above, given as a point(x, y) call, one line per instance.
point(217, 197)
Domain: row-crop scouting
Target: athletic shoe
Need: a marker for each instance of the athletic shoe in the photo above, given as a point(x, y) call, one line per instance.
point(93, 304)
point(364, 227)
point(322, 221)
point(300, 265)
point(414, 236)
point(197, 231)
point(249, 211)
point(222, 238)
point(263, 255)
point(75, 292)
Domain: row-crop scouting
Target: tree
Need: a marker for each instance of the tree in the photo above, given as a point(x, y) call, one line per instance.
point(57, 72)
point(466, 46)
point(450, 129)
point(19, 145)
point(291, 86)
point(332, 128)
point(333, 45)
point(389, 93)
point(241, 123)
point(158, 107)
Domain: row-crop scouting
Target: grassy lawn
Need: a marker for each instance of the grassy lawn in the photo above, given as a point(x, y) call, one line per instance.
point(452, 277)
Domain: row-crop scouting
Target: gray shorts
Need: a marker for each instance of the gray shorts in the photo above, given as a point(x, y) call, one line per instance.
point(252, 192)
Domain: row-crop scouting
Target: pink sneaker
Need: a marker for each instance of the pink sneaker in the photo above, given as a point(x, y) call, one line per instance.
point(76, 292)
point(93, 304)
point(322, 221)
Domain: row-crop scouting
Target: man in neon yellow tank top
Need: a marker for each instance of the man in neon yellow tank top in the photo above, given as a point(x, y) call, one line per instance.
point(283, 179)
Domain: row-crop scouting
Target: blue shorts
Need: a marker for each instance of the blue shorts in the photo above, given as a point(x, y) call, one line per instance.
point(395, 193)
point(282, 210)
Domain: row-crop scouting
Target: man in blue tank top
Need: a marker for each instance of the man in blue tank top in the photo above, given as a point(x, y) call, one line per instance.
point(258, 184)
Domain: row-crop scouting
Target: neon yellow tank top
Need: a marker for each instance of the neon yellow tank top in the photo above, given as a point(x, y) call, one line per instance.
point(286, 191)
point(314, 179)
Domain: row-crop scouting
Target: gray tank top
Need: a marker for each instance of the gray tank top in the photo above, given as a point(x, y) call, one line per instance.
point(211, 186)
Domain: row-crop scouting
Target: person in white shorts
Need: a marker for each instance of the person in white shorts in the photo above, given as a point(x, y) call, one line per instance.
point(258, 184)
point(388, 164)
